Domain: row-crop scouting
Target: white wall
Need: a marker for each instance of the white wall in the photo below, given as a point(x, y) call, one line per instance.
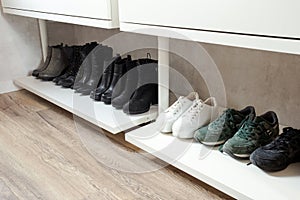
point(20, 50)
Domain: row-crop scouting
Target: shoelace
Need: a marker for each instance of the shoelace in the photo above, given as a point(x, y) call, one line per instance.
point(194, 110)
point(287, 137)
point(220, 121)
point(175, 108)
point(249, 129)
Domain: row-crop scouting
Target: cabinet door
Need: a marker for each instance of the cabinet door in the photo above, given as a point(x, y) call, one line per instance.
point(96, 9)
point(258, 17)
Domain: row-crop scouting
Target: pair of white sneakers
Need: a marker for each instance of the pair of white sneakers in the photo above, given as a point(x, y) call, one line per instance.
point(187, 115)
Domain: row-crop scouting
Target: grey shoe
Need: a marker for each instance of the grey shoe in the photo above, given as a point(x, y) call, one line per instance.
point(44, 65)
point(55, 67)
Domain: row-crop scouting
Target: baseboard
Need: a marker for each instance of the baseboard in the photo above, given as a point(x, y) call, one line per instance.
point(8, 86)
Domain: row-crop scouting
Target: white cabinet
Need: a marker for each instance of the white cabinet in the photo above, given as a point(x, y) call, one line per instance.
point(98, 13)
point(267, 25)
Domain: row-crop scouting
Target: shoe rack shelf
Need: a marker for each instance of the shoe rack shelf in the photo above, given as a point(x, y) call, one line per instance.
point(104, 116)
point(231, 176)
point(231, 22)
point(101, 14)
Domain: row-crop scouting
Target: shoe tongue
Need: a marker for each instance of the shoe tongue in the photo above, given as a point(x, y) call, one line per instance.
point(185, 99)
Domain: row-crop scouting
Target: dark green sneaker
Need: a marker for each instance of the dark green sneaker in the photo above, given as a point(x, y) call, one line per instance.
point(224, 127)
point(255, 132)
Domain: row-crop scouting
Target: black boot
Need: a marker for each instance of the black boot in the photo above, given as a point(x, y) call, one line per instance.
point(73, 70)
point(106, 79)
point(56, 66)
point(44, 65)
point(131, 77)
point(68, 53)
point(147, 92)
point(142, 99)
point(119, 71)
point(98, 56)
point(85, 68)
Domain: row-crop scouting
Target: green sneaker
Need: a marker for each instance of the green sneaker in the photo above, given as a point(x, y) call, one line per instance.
point(224, 127)
point(255, 132)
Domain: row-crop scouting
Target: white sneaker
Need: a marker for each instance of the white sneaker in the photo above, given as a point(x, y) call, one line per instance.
point(198, 115)
point(170, 115)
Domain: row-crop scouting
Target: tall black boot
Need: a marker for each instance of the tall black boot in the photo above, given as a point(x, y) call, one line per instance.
point(45, 64)
point(56, 66)
point(85, 68)
point(98, 56)
point(131, 77)
point(147, 92)
point(106, 79)
point(119, 71)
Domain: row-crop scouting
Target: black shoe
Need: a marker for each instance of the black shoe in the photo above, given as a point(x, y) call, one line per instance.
point(147, 92)
point(56, 65)
point(68, 79)
point(98, 56)
point(277, 155)
point(142, 99)
point(131, 81)
point(68, 53)
point(85, 68)
point(106, 79)
point(45, 64)
point(119, 71)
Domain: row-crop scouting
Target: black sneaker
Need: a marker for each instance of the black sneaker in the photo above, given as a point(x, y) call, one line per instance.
point(277, 155)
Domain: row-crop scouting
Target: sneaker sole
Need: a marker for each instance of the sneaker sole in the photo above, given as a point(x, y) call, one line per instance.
point(236, 156)
point(213, 143)
point(165, 132)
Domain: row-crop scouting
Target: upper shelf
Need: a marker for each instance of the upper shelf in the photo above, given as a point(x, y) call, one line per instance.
point(96, 13)
point(266, 25)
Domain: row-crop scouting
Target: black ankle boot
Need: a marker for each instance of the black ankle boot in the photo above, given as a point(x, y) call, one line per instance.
point(119, 71)
point(68, 53)
point(72, 70)
point(85, 68)
point(44, 65)
point(147, 92)
point(106, 79)
point(131, 78)
point(56, 66)
point(142, 99)
point(98, 56)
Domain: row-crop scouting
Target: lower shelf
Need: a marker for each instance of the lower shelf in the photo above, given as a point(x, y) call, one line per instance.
point(104, 116)
point(231, 176)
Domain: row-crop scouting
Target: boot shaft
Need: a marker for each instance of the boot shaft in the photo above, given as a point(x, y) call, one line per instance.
point(147, 72)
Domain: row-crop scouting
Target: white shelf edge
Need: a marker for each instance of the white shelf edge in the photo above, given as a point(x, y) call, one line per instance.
point(233, 177)
point(99, 23)
point(86, 108)
point(244, 41)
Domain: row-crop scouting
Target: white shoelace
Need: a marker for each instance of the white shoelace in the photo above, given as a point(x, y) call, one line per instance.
point(194, 110)
point(175, 108)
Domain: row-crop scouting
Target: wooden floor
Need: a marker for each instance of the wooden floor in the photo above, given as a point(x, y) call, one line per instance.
point(43, 157)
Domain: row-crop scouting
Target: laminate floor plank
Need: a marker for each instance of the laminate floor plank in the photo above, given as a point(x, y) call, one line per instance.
point(45, 153)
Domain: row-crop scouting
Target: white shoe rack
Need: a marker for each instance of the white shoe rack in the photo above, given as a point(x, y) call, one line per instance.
point(230, 176)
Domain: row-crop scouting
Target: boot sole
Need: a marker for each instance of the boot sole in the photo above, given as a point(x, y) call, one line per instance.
point(137, 112)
